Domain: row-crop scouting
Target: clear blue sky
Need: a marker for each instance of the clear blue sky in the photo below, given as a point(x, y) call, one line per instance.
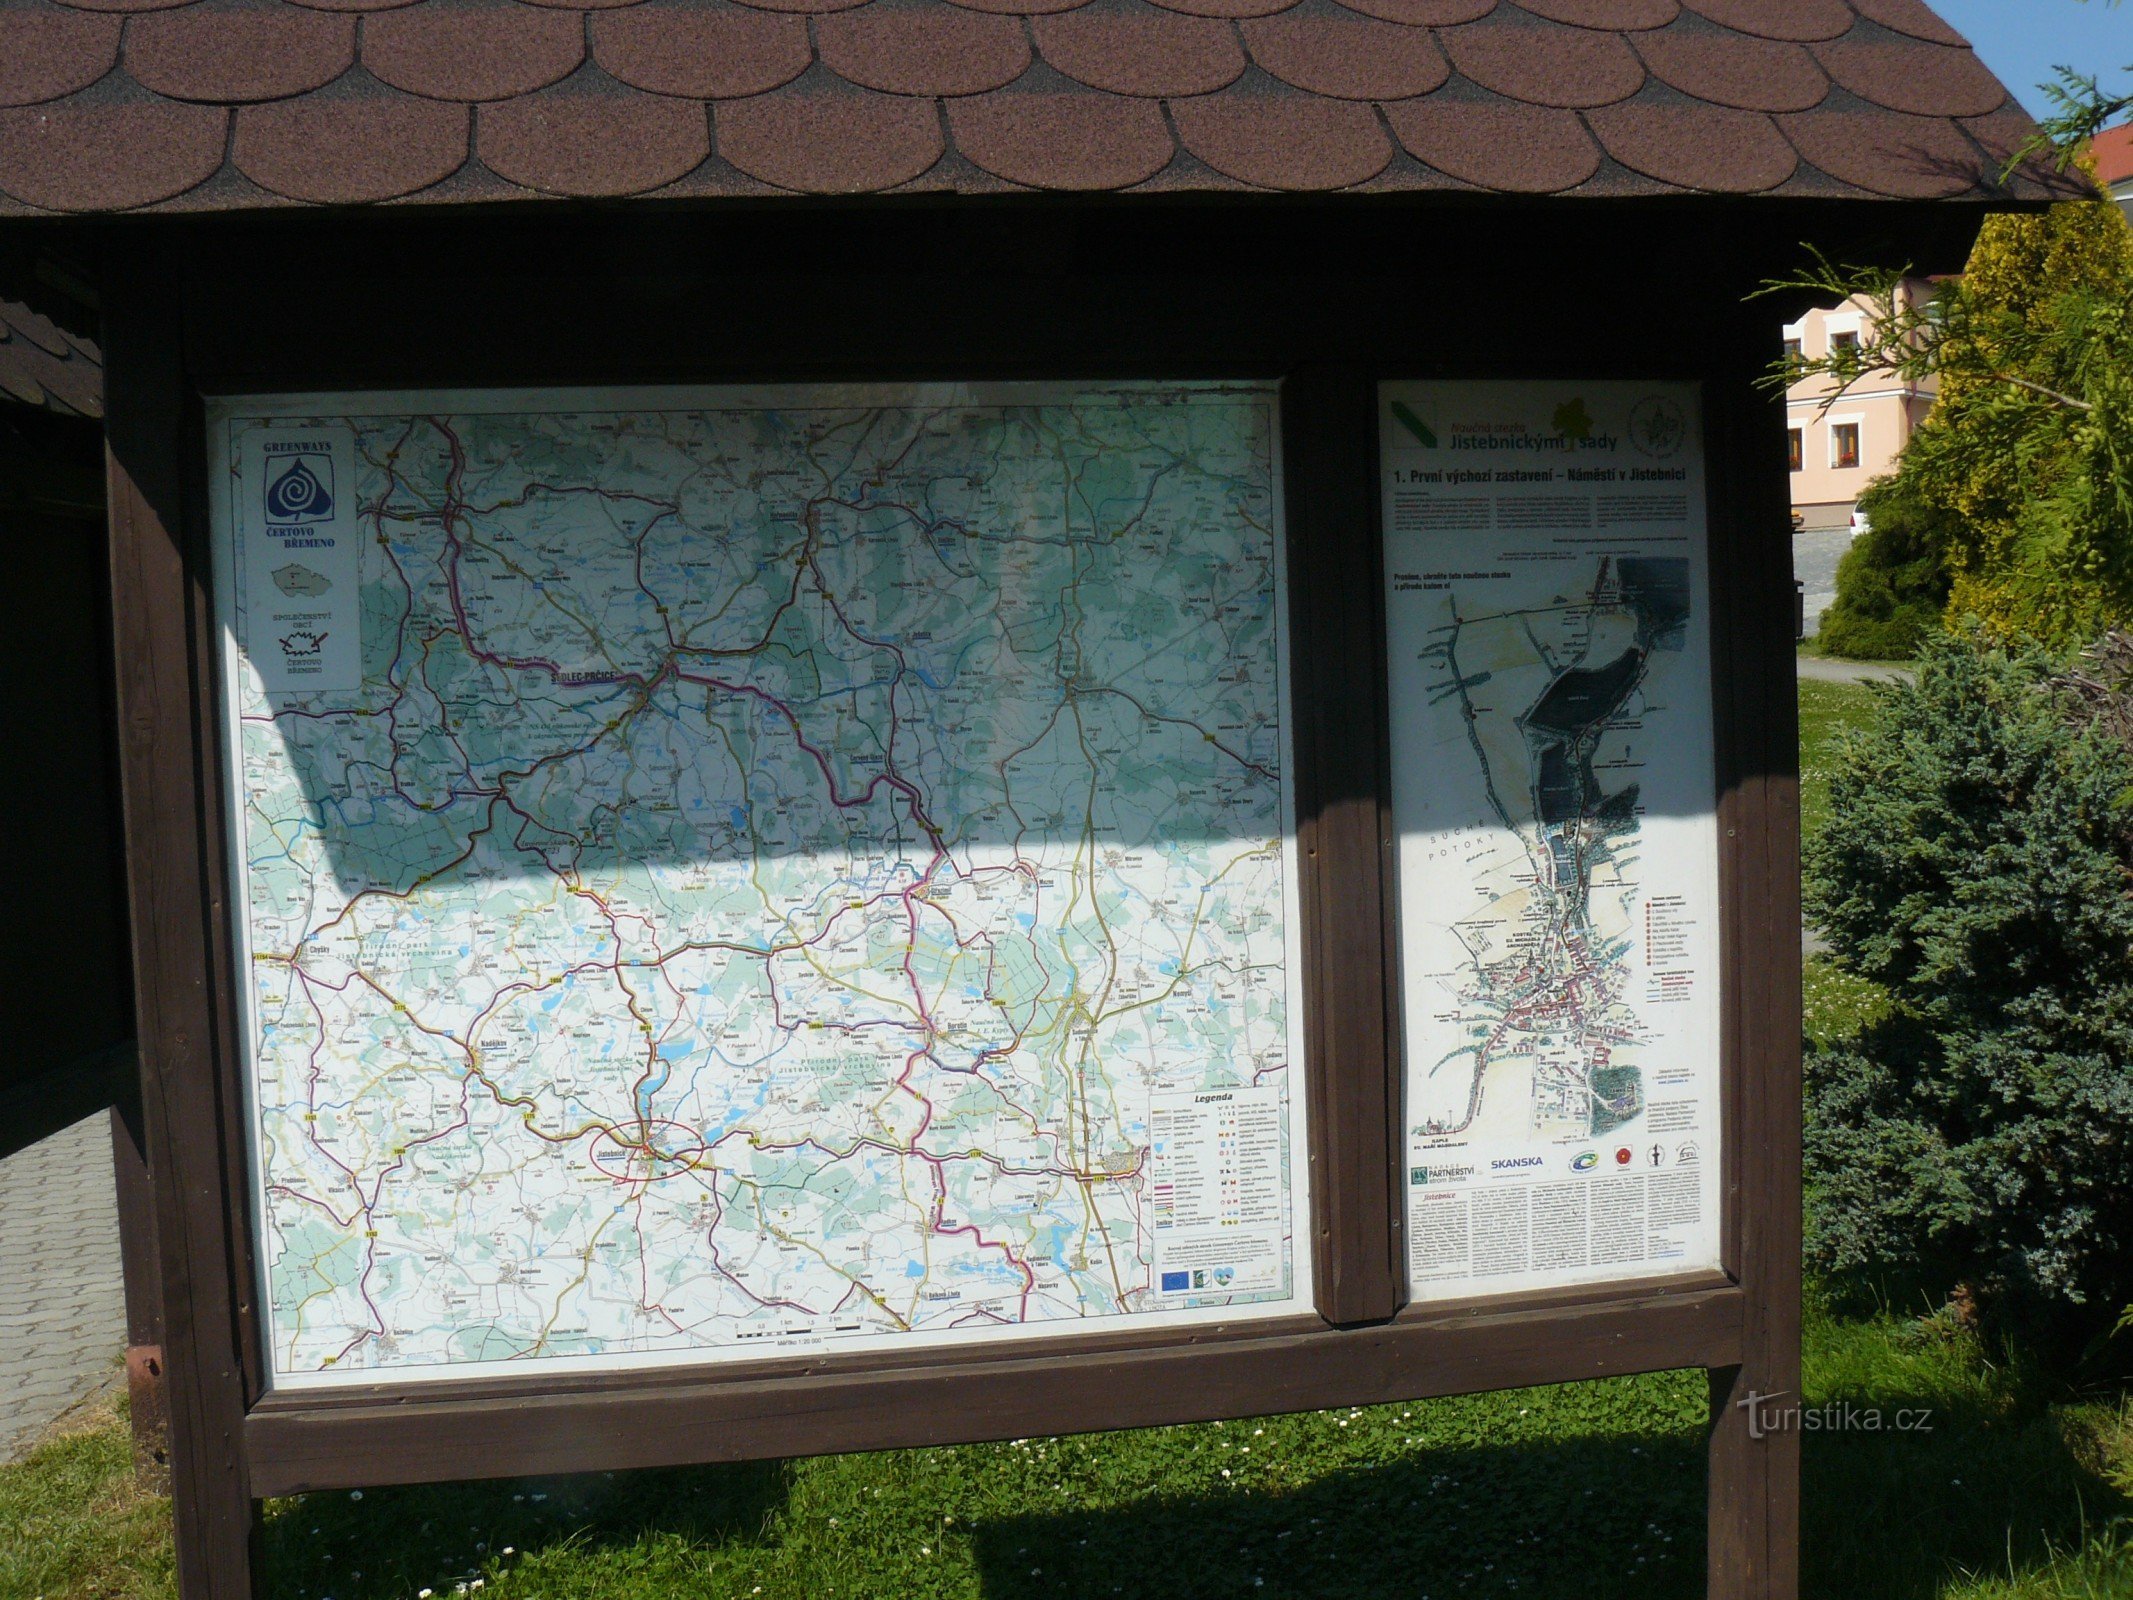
point(2023, 40)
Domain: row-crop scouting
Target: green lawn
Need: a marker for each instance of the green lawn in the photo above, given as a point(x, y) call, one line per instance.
point(1826, 710)
point(1588, 1490)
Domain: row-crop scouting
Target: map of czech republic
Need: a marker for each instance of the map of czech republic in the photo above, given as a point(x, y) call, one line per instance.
point(733, 871)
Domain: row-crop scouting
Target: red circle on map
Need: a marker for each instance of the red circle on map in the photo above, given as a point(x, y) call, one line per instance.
point(628, 1155)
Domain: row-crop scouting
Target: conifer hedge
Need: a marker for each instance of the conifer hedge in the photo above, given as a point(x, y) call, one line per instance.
point(1978, 864)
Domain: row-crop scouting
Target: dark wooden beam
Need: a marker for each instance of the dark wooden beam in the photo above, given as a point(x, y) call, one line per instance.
point(1754, 1480)
point(1343, 837)
point(160, 612)
point(322, 1440)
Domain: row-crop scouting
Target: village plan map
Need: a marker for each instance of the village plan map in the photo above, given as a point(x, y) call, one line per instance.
point(1554, 789)
point(728, 872)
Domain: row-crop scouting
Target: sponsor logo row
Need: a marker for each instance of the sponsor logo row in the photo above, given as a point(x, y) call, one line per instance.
point(1650, 1157)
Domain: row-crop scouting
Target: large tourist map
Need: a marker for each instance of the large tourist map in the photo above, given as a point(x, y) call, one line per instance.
point(1554, 792)
point(735, 872)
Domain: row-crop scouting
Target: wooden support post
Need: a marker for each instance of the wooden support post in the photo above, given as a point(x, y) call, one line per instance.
point(144, 1287)
point(1344, 836)
point(1754, 1511)
point(161, 615)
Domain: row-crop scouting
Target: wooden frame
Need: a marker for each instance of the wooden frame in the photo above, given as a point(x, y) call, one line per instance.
point(193, 312)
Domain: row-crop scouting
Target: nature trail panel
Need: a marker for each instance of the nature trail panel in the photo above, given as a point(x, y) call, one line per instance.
point(1555, 794)
point(732, 871)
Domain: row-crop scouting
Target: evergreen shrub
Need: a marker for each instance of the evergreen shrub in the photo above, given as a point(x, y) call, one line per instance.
point(1978, 1137)
point(1892, 585)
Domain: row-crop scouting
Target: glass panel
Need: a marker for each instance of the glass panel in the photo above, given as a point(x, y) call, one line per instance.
point(735, 872)
point(1554, 792)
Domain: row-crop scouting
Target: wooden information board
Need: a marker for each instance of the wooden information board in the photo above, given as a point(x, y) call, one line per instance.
point(710, 888)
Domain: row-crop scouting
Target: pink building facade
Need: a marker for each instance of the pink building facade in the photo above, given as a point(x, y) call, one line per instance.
point(1837, 452)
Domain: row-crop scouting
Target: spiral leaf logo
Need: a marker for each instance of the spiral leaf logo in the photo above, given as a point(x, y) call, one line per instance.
point(298, 494)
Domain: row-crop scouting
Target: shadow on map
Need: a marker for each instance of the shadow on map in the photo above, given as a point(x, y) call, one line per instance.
point(877, 726)
point(679, 776)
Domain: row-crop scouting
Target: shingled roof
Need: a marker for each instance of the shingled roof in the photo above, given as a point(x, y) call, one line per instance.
point(117, 105)
point(41, 364)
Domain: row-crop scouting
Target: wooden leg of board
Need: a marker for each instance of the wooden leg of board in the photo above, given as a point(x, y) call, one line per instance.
point(1754, 1537)
point(144, 1293)
point(1754, 1526)
point(158, 599)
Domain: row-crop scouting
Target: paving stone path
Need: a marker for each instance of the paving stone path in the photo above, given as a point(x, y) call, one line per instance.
point(62, 1297)
point(1814, 562)
point(1826, 669)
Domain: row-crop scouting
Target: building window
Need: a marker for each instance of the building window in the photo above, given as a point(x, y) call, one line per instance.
point(1794, 350)
point(1844, 445)
point(1796, 443)
point(1841, 342)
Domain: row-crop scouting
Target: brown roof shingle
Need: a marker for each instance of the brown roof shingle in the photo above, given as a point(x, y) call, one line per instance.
point(1727, 69)
point(116, 105)
point(41, 364)
point(1795, 20)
